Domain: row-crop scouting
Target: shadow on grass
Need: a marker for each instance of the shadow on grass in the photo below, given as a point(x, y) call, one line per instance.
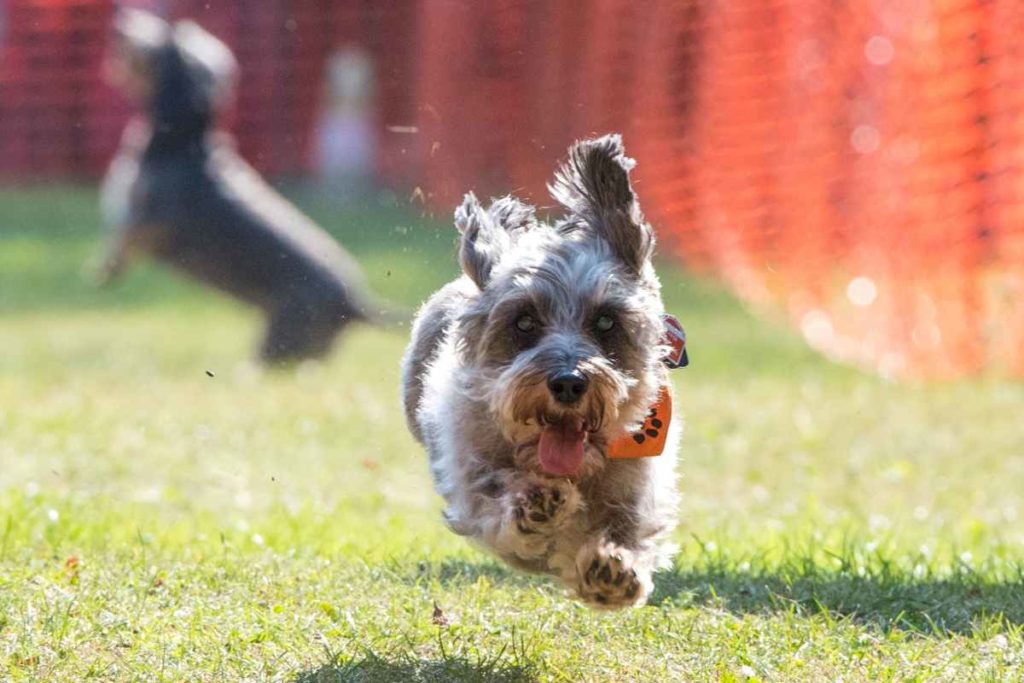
point(454, 572)
point(373, 668)
point(890, 600)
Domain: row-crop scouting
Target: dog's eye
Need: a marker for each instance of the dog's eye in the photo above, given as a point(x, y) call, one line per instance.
point(604, 323)
point(526, 323)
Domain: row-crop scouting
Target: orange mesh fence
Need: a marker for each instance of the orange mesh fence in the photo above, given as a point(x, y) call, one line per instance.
point(856, 165)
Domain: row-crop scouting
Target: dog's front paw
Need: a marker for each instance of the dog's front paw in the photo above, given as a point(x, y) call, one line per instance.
point(541, 505)
point(610, 577)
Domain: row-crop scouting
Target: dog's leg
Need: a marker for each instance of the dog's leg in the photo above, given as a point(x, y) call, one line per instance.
point(109, 266)
point(613, 575)
point(123, 203)
point(517, 514)
point(535, 508)
point(121, 248)
point(631, 512)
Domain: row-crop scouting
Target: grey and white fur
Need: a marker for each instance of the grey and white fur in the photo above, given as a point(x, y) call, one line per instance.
point(178, 192)
point(551, 333)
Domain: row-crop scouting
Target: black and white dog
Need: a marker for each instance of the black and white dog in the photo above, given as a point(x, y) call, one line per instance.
point(178, 192)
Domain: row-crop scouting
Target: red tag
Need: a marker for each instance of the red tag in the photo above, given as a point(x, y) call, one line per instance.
point(674, 336)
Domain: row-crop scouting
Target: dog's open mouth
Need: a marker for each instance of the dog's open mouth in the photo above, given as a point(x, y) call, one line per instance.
point(561, 446)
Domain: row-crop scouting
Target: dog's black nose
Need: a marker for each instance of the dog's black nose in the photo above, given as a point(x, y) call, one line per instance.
point(568, 387)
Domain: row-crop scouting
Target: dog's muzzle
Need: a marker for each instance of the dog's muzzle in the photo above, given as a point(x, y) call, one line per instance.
point(568, 387)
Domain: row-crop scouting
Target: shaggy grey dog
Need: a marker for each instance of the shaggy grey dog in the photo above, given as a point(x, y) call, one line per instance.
point(178, 192)
point(523, 371)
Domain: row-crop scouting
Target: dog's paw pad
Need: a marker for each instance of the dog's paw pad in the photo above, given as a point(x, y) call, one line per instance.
point(542, 506)
point(609, 578)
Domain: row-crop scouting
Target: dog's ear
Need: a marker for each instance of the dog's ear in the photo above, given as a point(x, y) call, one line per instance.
point(143, 30)
point(511, 214)
point(483, 240)
point(210, 60)
point(594, 184)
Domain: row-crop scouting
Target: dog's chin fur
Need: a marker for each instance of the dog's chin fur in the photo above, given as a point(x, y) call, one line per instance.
point(476, 385)
point(521, 406)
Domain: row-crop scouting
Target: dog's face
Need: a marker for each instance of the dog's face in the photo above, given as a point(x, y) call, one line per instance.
point(176, 72)
point(562, 341)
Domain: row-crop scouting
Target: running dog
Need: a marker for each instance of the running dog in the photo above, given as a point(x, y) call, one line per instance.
point(526, 374)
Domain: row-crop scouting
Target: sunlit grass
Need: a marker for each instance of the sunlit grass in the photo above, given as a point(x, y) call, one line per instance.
point(157, 523)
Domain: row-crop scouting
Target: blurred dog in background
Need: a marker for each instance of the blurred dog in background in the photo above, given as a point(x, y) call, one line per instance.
point(524, 374)
point(178, 192)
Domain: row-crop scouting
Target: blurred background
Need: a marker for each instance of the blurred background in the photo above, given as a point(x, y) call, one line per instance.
point(854, 167)
point(829, 181)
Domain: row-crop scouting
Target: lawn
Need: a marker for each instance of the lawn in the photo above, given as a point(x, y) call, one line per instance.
point(158, 523)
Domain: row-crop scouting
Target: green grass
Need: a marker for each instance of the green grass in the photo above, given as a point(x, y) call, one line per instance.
point(158, 524)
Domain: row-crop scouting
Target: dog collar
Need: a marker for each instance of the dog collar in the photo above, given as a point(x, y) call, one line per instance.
point(650, 439)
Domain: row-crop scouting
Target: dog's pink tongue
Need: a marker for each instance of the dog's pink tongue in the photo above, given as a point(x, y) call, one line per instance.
point(561, 449)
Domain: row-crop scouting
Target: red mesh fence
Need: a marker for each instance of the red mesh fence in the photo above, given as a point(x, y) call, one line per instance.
point(58, 117)
point(856, 165)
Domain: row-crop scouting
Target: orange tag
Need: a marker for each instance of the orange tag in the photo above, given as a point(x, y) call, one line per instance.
point(649, 440)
